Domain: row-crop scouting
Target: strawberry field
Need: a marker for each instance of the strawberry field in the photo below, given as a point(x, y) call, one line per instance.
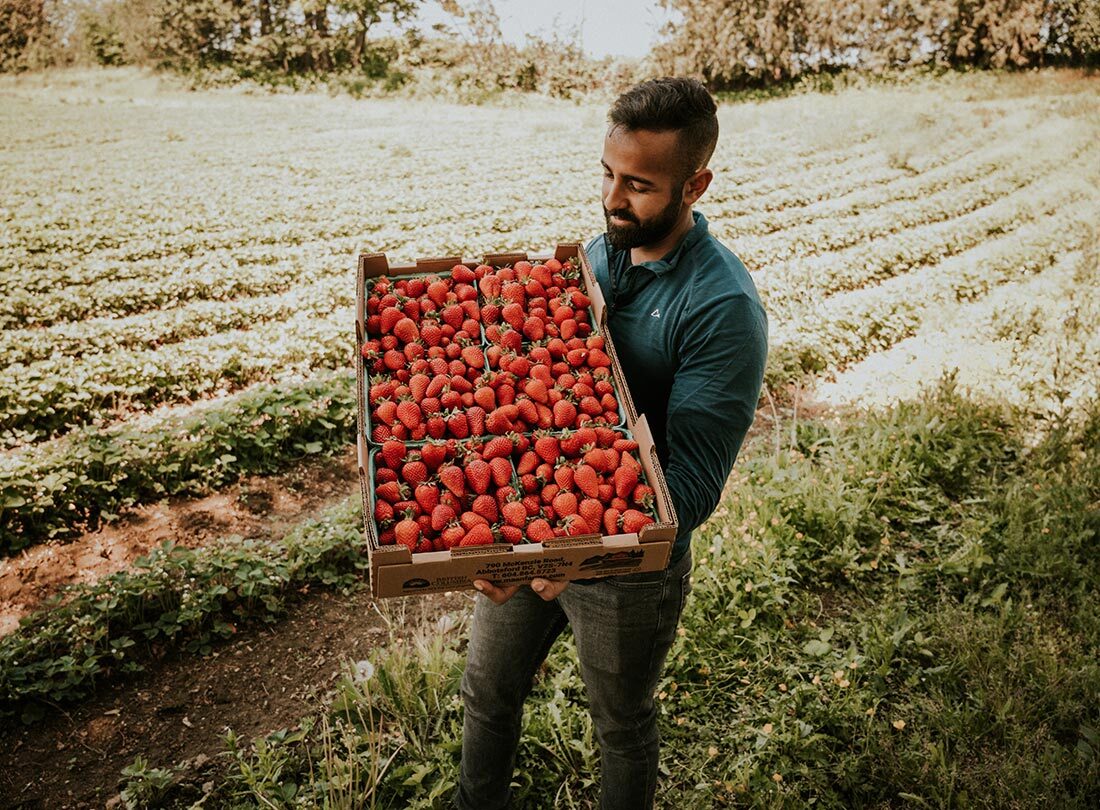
point(897, 600)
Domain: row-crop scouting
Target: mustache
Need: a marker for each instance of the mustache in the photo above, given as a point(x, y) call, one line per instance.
point(621, 215)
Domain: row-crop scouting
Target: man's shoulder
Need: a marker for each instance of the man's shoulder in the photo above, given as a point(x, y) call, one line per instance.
point(718, 273)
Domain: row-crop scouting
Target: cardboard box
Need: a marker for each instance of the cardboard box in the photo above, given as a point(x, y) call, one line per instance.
point(396, 571)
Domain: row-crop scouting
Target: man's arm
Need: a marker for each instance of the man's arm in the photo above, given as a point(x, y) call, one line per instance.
point(712, 402)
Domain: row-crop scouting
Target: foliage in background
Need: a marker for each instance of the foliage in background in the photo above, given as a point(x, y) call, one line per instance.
point(730, 44)
point(734, 44)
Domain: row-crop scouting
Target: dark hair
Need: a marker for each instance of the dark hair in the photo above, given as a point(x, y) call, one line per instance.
point(680, 104)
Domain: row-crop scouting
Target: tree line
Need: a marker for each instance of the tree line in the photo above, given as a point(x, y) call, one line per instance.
point(730, 44)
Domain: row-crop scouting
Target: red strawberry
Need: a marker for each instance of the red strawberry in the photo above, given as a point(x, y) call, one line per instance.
point(409, 413)
point(433, 455)
point(565, 413)
point(513, 534)
point(452, 535)
point(427, 495)
point(479, 535)
point(485, 397)
point(565, 503)
point(406, 330)
point(498, 422)
point(539, 530)
point(486, 506)
point(564, 476)
point(473, 357)
point(592, 511)
point(452, 478)
point(393, 451)
point(528, 462)
point(407, 532)
point(626, 479)
point(501, 469)
point(386, 412)
point(479, 475)
point(475, 417)
point(389, 318)
point(391, 491)
point(548, 449)
point(414, 472)
point(633, 520)
point(611, 521)
point(441, 516)
point(383, 511)
point(457, 425)
point(497, 447)
point(587, 480)
point(575, 525)
point(514, 513)
point(463, 274)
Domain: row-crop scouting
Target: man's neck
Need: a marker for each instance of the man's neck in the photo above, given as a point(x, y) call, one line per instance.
point(657, 250)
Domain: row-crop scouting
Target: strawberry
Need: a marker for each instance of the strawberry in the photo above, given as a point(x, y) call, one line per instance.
point(486, 506)
point(575, 525)
point(513, 534)
point(565, 413)
point(431, 334)
point(548, 449)
point(485, 397)
point(539, 530)
point(514, 513)
point(565, 503)
point(536, 390)
point(473, 357)
point(475, 417)
point(457, 425)
point(452, 477)
point(408, 412)
point(480, 535)
point(393, 452)
point(453, 315)
point(386, 412)
point(427, 495)
point(414, 472)
point(452, 535)
point(406, 330)
point(478, 475)
point(389, 318)
point(625, 479)
point(391, 491)
point(436, 427)
point(498, 423)
point(383, 511)
point(407, 532)
point(433, 455)
point(587, 480)
point(463, 274)
point(528, 412)
point(501, 470)
point(592, 511)
point(527, 462)
point(611, 521)
point(513, 315)
point(437, 291)
point(441, 516)
point(633, 521)
point(564, 475)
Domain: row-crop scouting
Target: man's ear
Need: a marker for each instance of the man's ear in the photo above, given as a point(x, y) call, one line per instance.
point(695, 185)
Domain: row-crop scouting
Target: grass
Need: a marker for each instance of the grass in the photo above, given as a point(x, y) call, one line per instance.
point(900, 609)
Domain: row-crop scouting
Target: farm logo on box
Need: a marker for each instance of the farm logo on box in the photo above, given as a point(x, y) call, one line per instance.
point(616, 559)
point(415, 584)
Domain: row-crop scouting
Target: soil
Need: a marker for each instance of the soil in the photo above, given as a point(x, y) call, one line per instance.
point(257, 507)
point(178, 710)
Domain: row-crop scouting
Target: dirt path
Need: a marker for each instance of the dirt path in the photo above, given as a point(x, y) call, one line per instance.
point(263, 680)
point(257, 506)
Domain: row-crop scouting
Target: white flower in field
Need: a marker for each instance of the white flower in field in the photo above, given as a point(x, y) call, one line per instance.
point(364, 670)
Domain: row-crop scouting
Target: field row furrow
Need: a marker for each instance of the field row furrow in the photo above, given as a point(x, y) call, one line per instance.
point(72, 484)
point(1031, 343)
point(790, 287)
point(166, 326)
point(831, 334)
point(41, 400)
point(952, 168)
point(826, 236)
point(208, 277)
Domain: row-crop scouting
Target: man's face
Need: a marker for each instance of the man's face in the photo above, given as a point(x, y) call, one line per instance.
point(642, 186)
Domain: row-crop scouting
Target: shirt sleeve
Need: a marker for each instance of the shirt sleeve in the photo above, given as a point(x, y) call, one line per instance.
point(713, 401)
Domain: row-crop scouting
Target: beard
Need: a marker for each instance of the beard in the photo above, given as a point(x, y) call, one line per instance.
point(637, 233)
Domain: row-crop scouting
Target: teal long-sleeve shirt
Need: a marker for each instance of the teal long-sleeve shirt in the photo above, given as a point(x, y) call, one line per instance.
point(692, 337)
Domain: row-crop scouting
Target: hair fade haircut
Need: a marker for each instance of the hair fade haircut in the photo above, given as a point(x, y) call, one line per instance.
point(670, 103)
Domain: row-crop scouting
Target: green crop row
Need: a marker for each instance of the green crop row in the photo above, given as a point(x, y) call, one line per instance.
point(72, 484)
point(175, 598)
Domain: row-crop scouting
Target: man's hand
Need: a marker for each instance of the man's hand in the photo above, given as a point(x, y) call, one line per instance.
point(546, 588)
point(498, 595)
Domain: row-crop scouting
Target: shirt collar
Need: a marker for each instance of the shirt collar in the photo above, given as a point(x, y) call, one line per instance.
point(668, 262)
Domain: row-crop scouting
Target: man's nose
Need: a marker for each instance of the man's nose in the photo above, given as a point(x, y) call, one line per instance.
point(613, 199)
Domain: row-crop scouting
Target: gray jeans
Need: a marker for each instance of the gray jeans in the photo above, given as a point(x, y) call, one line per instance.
point(623, 627)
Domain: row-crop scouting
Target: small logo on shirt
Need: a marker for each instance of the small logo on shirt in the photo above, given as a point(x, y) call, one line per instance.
point(655, 313)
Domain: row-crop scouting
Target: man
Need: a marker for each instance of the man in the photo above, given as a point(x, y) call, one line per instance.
point(692, 339)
